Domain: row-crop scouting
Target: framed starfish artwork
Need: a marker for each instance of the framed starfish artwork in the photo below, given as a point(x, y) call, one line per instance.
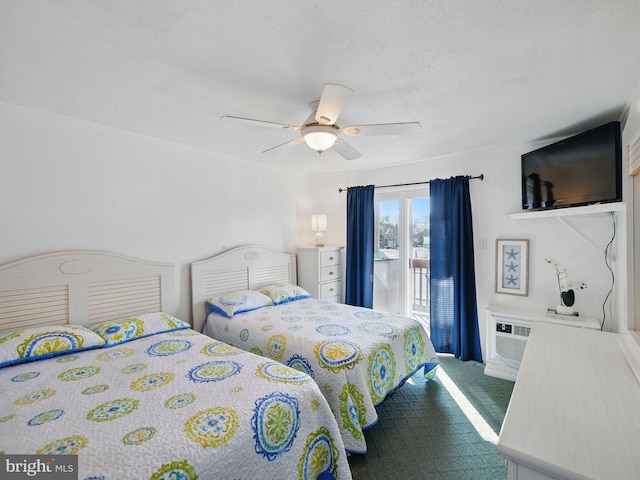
point(512, 266)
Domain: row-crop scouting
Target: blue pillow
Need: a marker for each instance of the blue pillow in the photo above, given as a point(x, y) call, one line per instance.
point(230, 303)
point(284, 292)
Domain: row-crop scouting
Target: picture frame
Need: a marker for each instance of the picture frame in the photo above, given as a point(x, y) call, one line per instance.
point(512, 266)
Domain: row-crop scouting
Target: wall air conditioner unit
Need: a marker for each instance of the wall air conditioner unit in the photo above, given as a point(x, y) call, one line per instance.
point(507, 337)
point(511, 340)
point(507, 334)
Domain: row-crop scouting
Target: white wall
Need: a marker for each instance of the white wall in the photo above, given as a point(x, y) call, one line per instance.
point(70, 184)
point(492, 199)
point(631, 133)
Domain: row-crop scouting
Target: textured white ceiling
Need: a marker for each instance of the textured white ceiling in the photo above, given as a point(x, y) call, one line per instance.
point(476, 74)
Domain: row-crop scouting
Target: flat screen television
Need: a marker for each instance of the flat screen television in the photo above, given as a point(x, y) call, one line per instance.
point(580, 170)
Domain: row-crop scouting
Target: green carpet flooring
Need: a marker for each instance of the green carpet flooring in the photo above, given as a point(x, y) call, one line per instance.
point(422, 432)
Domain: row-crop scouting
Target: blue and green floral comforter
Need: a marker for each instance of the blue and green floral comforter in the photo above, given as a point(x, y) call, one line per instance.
point(357, 356)
point(171, 405)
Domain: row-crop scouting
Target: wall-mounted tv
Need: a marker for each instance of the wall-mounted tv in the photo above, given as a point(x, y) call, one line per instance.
point(580, 170)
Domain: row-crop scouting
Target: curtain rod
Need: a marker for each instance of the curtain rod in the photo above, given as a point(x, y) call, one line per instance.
point(480, 177)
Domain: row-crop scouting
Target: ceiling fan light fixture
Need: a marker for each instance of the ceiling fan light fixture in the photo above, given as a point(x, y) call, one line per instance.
point(320, 131)
point(319, 137)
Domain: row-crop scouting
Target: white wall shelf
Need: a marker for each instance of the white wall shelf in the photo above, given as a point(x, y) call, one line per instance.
point(569, 211)
point(562, 213)
point(618, 212)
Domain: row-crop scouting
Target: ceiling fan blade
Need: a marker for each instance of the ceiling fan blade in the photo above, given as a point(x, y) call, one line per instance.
point(345, 150)
point(260, 123)
point(382, 129)
point(333, 98)
point(290, 143)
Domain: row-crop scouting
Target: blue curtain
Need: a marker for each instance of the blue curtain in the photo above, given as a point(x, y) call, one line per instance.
point(360, 239)
point(454, 313)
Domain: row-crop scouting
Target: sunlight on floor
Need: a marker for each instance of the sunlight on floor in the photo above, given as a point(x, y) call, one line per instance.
point(478, 422)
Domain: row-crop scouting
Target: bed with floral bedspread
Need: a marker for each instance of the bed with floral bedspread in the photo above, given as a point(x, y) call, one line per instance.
point(357, 356)
point(149, 398)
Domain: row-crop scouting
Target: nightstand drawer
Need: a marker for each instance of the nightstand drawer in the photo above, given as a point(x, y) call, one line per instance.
point(329, 258)
point(330, 273)
point(335, 299)
point(328, 290)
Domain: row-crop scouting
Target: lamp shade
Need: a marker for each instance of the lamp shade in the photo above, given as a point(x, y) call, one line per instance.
point(319, 222)
point(319, 137)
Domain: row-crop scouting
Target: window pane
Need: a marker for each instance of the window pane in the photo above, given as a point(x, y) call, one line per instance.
point(420, 258)
point(388, 227)
point(385, 267)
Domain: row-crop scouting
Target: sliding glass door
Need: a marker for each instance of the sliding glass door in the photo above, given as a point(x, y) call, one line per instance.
point(401, 260)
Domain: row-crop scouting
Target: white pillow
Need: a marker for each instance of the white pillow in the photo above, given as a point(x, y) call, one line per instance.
point(230, 303)
point(284, 292)
point(37, 343)
point(125, 329)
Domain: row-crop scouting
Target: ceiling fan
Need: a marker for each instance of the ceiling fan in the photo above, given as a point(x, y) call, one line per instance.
point(320, 131)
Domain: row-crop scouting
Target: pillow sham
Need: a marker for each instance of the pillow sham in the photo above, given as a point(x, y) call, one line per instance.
point(123, 330)
point(230, 303)
point(284, 292)
point(38, 343)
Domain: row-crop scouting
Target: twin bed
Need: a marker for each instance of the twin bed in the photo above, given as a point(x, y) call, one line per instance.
point(93, 363)
point(145, 396)
point(357, 356)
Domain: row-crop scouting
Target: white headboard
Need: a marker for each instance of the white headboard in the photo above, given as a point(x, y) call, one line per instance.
point(82, 287)
point(242, 268)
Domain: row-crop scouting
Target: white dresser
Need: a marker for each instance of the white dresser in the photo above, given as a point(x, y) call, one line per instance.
point(507, 334)
point(575, 408)
point(320, 272)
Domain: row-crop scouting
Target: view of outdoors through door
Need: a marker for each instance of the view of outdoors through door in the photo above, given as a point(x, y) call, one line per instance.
point(401, 260)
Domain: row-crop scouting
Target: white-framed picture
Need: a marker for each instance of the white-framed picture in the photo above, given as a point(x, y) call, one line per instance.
point(512, 266)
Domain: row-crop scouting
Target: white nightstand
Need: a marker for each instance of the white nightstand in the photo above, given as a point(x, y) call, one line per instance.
point(320, 272)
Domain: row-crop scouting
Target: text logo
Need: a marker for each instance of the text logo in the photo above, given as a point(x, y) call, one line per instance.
point(43, 467)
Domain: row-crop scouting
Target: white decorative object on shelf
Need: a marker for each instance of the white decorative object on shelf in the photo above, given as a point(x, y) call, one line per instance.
point(565, 310)
point(567, 294)
point(555, 313)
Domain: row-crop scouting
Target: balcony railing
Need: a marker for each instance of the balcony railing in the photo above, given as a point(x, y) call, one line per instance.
point(385, 288)
point(420, 271)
